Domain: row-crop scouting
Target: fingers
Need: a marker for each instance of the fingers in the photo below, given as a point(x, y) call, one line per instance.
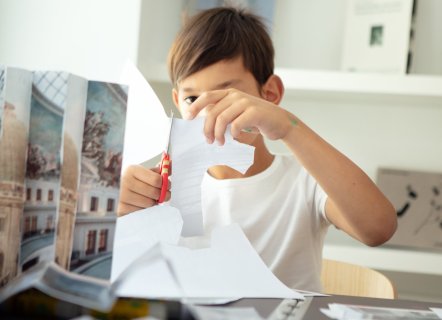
point(157, 169)
point(213, 113)
point(244, 122)
point(140, 200)
point(205, 99)
point(145, 189)
point(217, 125)
point(150, 177)
point(244, 112)
point(221, 108)
point(140, 188)
point(124, 208)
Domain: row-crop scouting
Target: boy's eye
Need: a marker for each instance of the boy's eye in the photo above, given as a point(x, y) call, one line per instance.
point(190, 100)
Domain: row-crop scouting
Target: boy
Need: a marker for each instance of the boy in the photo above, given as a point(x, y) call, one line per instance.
point(221, 66)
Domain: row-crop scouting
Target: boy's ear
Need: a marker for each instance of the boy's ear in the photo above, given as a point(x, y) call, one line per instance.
point(273, 89)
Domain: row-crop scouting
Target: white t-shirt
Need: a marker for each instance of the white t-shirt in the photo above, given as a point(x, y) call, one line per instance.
point(282, 212)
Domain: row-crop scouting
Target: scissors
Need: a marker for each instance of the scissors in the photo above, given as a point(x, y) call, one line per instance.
point(165, 165)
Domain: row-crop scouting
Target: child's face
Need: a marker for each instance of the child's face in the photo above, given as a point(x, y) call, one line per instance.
point(221, 75)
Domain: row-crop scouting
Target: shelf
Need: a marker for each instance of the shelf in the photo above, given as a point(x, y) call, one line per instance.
point(389, 259)
point(385, 87)
point(342, 85)
point(335, 81)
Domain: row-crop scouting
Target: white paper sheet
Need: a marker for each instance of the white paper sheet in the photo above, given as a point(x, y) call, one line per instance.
point(222, 313)
point(359, 312)
point(139, 231)
point(230, 268)
point(437, 311)
point(147, 128)
point(191, 157)
point(147, 124)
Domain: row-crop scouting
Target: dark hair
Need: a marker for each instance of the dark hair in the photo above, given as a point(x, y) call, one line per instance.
point(220, 34)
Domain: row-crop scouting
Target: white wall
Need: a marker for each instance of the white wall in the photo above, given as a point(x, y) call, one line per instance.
point(89, 38)
point(383, 134)
point(307, 34)
point(158, 24)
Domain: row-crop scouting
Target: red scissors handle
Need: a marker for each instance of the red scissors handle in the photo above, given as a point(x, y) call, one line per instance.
point(164, 171)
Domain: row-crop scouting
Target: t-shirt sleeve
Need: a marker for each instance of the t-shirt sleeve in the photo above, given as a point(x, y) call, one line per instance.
point(319, 197)
point(320, 200)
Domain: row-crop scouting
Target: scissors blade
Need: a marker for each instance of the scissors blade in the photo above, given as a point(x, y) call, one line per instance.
point(170, 133)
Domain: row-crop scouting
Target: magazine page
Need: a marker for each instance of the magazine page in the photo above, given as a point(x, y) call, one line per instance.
point(101, 163)
point(71, 165)
point(15, 93)
point(48, 102)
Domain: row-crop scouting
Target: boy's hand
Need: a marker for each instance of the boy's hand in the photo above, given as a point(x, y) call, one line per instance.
point(140, 188)
point(243, 111)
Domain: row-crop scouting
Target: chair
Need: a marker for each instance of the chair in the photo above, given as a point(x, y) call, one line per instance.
point(353, 280)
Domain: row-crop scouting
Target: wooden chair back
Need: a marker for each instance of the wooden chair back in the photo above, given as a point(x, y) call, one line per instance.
point(353, 280)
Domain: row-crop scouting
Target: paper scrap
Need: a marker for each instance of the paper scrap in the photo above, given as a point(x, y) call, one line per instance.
point(229, 268)
point(437, 311)
point(191, 157)
point(356, 312)
point(139, 231)
point(221, 313)
point(149, 276)
point(146, 121)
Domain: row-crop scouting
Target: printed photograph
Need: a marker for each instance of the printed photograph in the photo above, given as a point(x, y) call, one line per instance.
point(15, 113)
point(101, 161)
point(70, 169)
point(376, 35)
point(43, 168)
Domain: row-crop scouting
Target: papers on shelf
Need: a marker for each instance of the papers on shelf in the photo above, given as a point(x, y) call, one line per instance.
point(377, 36)
point(229, 268)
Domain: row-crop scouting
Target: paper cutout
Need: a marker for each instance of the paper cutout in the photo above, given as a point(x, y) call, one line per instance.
point(191, 157)
point(229, 268)
point(147, 123)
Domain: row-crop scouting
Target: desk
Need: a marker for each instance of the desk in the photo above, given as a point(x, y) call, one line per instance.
point(27, 305)
point(309, 309)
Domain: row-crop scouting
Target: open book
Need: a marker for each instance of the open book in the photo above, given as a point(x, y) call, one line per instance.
point(61, 148)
